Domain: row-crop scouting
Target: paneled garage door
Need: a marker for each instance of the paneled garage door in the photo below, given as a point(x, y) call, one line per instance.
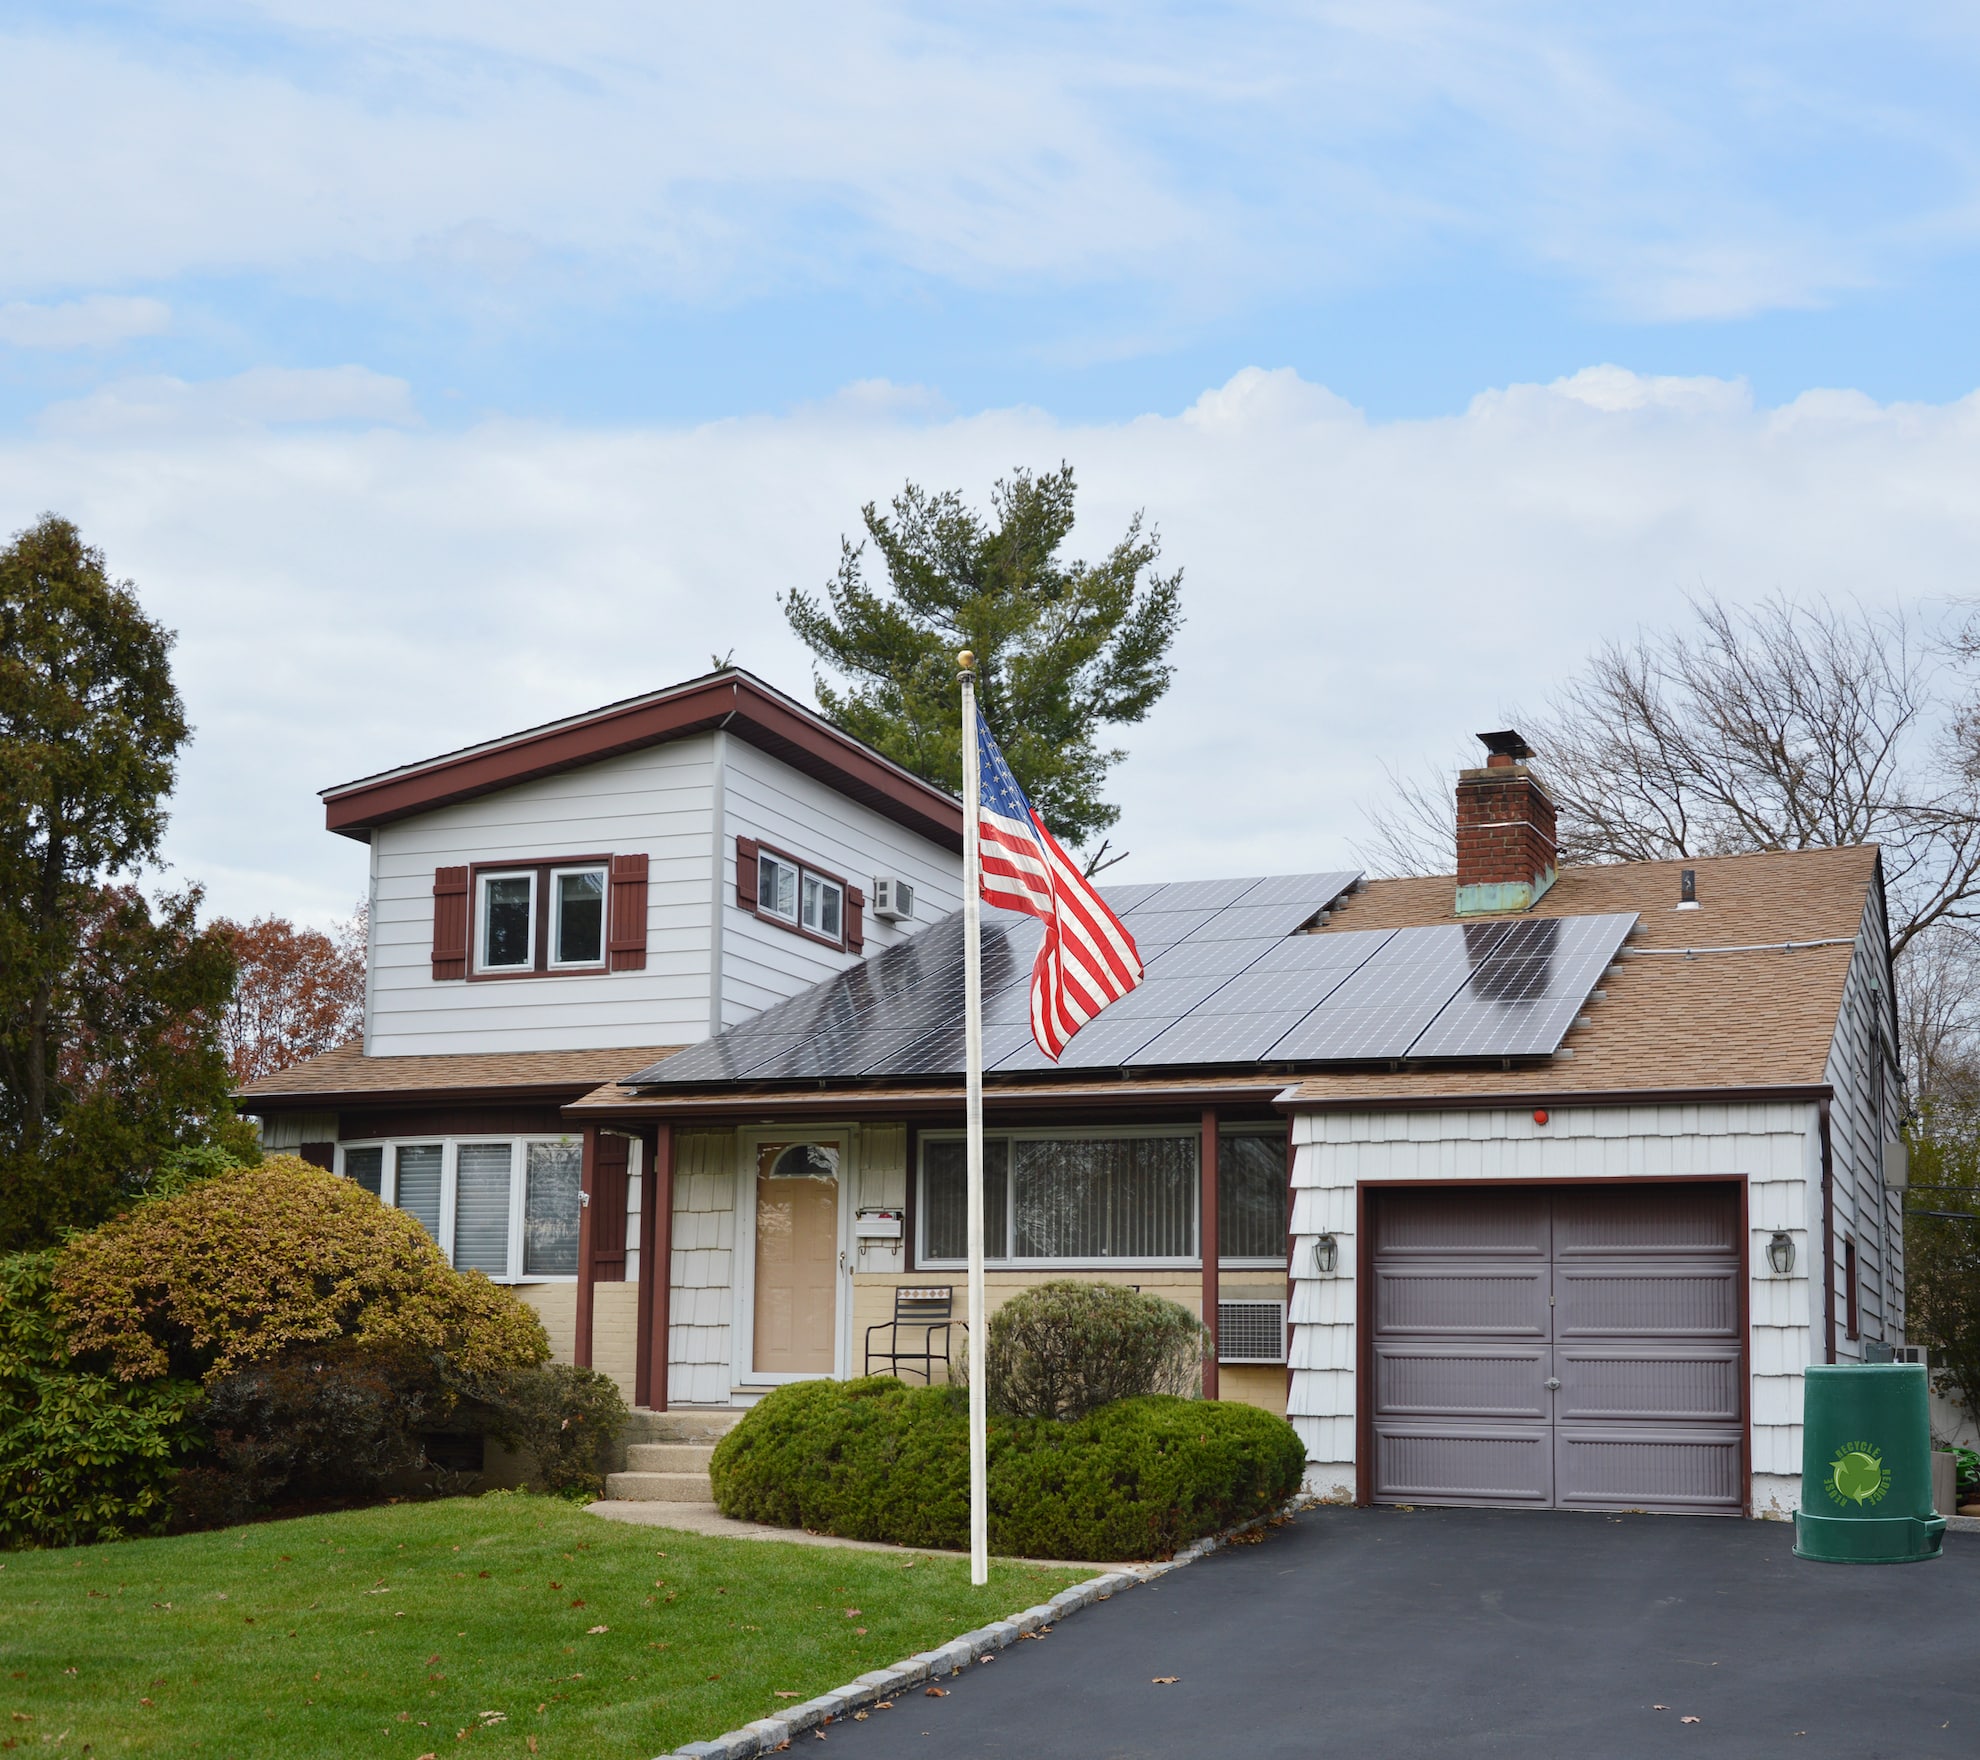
point(1573, 1347)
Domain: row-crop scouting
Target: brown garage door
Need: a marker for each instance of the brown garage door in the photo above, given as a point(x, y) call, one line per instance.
point(1573, 1347)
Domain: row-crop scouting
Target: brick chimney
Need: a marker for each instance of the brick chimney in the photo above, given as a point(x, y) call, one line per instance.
point(1505, 831)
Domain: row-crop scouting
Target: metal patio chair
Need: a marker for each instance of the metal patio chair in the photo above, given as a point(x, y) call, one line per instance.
point(928, 1306)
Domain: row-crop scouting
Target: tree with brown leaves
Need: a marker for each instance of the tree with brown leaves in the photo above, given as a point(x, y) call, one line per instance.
point(300, 992)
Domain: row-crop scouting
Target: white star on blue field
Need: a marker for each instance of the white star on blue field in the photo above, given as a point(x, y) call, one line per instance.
point(339, 326)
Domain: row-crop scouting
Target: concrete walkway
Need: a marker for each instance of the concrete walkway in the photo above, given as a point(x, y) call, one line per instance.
point(1435, 1634)
point(705, 1518)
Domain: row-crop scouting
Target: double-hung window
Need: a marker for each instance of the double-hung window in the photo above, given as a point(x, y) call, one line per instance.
point(549, 917)
point(1099, 1198)
point(507, 1206)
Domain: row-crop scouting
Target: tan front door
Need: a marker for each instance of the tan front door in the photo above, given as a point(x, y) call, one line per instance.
point(797, 1258)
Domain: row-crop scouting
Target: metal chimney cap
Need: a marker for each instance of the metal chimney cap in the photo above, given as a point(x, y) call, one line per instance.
point(1506, 744)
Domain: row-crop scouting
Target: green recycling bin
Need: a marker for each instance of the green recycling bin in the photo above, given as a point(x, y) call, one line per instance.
point(1866, 1466)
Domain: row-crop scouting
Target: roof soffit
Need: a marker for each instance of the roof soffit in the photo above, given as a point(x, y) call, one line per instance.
point(733, 701)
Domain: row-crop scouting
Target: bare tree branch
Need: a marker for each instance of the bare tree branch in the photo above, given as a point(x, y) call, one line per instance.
point(1783, 726)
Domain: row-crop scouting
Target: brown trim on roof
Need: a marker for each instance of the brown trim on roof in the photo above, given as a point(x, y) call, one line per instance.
point(733, 700)
point(336, 1099)
point(893, 1104)
point(1509, 1100)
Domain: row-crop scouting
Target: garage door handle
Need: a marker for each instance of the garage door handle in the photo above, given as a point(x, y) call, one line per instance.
point(1553, 1383)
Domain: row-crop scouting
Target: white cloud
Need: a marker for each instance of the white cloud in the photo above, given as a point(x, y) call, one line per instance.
point(258, 397)
point(1690, 162)
point(96, 322)
point(1357, 592)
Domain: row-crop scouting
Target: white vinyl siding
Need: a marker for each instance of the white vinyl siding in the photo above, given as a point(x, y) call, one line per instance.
point(656, 801)
point(659, 802)
point(1867, 1211)
point(763, 961)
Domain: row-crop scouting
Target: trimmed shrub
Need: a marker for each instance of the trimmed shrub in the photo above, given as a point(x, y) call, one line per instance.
point(563, 1417)
point(246, 1265)
point(320, 1423)
point(83, 1456)
point(876, 1460)
point(1065, 1348)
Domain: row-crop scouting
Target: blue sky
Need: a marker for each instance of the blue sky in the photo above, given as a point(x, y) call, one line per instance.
point(483, 318)
point(615, 213)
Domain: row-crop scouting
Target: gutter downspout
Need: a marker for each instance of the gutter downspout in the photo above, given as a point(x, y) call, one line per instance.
point(1828, 1235)
point(719, 822)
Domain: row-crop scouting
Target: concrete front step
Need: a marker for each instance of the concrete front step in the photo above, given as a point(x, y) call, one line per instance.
point(657, 1488)
point(669, 1457)
point(704, 1424)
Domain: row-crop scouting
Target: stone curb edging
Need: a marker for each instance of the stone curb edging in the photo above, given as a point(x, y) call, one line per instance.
point(767, 1734)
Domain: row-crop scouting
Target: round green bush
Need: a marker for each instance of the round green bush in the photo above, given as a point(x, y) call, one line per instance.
point(1065, 1348)
point(876, 1460)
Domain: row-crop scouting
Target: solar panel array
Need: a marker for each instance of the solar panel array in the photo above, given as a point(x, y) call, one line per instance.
point(1230, 980)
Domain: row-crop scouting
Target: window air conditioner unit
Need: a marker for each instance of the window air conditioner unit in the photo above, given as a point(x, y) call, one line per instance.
point(1251, 1332)
point(893, 899)
point(1910, 1353)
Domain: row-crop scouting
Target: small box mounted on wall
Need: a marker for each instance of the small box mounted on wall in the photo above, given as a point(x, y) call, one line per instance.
point(893, 899)
point(877, 1225)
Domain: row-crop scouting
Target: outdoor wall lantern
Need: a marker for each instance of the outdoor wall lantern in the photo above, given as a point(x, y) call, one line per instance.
point(1326, 1255)
point(1780, 1252)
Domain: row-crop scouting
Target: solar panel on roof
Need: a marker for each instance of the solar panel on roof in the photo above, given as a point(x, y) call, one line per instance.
point(1106, 1043)
point(1184, 958)
point(1227, 983)
point(1296, 888)
point(1522, 1000)
point(1200, 895)
point(1203, 1037)
point(1256, 922)
point(1386, 1004)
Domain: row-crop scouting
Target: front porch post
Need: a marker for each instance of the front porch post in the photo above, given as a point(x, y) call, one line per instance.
point(587, 1235)
point(656, 1267)
point(1206, 1229)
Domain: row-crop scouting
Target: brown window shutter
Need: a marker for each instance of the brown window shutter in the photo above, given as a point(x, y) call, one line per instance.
point(450, 922)
point(626, 944)
point(608, 1209)
point(855, 919)
point(746, 873)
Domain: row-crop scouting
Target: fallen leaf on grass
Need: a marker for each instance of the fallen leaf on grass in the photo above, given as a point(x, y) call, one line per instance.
point(593, 1631)
point(1165, 1680)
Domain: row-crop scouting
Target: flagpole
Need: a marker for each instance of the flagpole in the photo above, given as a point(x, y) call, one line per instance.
point(979, 1365)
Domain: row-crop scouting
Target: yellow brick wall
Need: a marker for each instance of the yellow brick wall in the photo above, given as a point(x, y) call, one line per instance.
point(1261, 1385)
point(614, 1313)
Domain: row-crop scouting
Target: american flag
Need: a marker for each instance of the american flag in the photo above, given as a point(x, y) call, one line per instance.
point(1087, 959)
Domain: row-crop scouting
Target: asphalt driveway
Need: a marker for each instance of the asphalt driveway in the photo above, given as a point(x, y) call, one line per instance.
point(1372, 1633)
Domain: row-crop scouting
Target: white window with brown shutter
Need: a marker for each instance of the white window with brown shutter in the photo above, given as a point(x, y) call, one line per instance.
point(567, 917)
point(795, 894)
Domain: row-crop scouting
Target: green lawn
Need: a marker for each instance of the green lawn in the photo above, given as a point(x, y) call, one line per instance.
point(508, 1625)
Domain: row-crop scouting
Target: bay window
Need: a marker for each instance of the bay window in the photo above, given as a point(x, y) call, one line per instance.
point(1097, 1198)
point(506, 1206)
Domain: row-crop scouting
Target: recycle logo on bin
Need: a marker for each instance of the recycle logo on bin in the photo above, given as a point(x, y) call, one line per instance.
point(1857, 1475)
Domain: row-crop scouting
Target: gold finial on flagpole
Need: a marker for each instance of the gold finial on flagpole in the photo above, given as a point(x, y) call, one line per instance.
point(966, 660)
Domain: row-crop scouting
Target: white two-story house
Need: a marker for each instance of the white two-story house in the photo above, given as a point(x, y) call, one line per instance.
point(562, 907)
